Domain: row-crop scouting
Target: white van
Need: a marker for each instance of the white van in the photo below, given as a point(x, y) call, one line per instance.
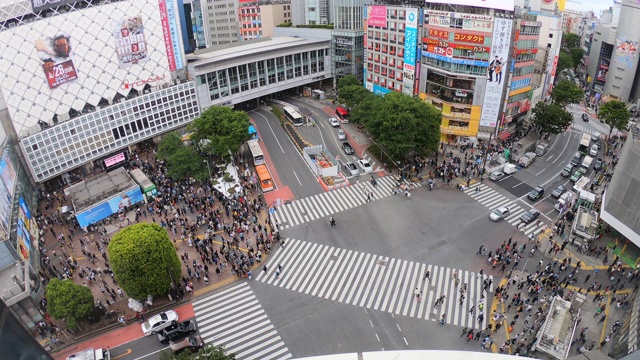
point(586, 163)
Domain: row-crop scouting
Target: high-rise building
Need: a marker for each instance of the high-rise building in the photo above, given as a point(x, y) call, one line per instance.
point(257, 19)
point(219, 21)
point(311, 12)
point(16, 341)
point(347, 43)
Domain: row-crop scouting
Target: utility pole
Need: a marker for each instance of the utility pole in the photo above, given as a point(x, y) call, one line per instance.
point(486, 152)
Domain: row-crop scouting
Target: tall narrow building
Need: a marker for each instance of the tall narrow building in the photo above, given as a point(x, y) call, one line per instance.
point(311, 12)
point(347, 38)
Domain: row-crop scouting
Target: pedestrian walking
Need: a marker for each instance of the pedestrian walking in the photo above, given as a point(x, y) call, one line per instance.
point(464, 331)
point(442, 319)
point(602, 318)
point(427, 276)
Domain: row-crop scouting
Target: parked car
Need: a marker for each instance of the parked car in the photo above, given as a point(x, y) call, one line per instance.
point(194, 343)
point(597, 165)
point(576, 175)
point(159, 321)
point(334, 122)
point(557, 192)
point(365, 166)
point(594, 150)
point(595, 136)
point(177, 331)
point(499, 213)
point(496, 175)
point(566, 172)
point(346, 147)
point(585, 117)
point(351, 169)
point(341, 134)
point(529, 215)
point(536, 193)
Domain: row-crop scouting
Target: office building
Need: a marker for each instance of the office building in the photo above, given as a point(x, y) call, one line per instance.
point(311, 12)
point(257, 19)
point(347, 43)
point(219, 21)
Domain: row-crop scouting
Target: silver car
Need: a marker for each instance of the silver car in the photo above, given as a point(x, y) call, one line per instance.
point(351, 169)
point(341, 134)
point(496, 175)
point(499, 213)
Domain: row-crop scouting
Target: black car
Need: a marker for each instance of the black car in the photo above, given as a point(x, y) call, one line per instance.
point(597, 165)
point(557, 192)
point(346, 147)
point(177, 331)
point(536, 193)
point(585, 117)
point(529, 216)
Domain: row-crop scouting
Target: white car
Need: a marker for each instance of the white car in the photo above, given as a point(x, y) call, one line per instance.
point(351, 169)
point(341, 134)
point(159, 321)
point(365, 166)
point(594, 150)
point(334, 122)
point(499, 213)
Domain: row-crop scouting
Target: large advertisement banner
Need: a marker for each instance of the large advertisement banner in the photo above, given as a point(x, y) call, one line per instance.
point(377, 16)
point(109, 207)
point(5, 212)
point(164, 20)
point(131, 44)
point(626, 51)
point(489, 4)
point(410, 50)
point(175, 34)
point(23, 231)
point(495, 86)
point(39, 5)
point(8, 173)
point(55, 53)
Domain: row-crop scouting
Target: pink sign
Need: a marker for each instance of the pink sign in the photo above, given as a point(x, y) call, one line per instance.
point(164, 18)
point(377, 16)
point(116, 159)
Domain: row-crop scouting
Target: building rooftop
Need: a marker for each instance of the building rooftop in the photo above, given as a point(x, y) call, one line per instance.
point(99, 188)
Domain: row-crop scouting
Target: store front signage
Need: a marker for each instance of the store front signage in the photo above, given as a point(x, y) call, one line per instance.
point(477, 39)
point(477, 25)
point(446, 44)
point(441, 34)
point(461, 93)
point(526, 51)
point(458, 15)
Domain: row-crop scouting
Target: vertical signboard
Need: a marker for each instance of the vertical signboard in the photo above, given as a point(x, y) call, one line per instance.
point(23, 231)
point(495, 72)
point(175, 34)
point(410, 49)
point(7, 172)
point(166, 31)
point(131, 45)
point(5, 212)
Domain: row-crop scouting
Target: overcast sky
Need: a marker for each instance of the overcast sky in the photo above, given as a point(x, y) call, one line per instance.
point(595, 5)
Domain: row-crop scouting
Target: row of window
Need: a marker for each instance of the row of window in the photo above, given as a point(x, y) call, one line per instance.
point(385, 36)
point(457, 68)
point(384, 82)
point(524, 70)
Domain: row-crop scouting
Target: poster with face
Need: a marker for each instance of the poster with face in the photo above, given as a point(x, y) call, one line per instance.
point(55, 53)
point(131, 45)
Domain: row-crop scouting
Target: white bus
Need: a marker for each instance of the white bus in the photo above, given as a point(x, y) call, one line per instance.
point(256, 152)
point(584, 144)
point(294, 116)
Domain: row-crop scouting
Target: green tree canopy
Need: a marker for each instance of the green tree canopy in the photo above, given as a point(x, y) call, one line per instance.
point(353, 95)
point(576, 55)
point(552, 119)
point(566, 92)
point(402, 124)
point(348, 80)
point(564, 62)
point(570, 40)
point(183, 160)
point(220, 129)
point(66, 300)
point(615, 114)
point(208, 352)
point(144, 260)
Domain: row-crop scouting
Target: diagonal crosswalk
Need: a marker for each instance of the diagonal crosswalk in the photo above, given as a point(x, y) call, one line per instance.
point(493, 200)
point(233, 318)
point(331, 202)
point(378, 282)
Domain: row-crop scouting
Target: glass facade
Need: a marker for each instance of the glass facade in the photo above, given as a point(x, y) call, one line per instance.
point(347, 49)
point(73, 143)
point(16, 342)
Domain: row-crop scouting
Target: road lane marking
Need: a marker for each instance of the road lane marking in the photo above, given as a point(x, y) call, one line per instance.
point(272, 132)
point(541, 171)
point(516, 185)
point(565, 148)
point(296, 175)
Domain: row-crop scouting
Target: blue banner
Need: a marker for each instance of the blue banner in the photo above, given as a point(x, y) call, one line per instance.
point(456, 61)
point(110, 207)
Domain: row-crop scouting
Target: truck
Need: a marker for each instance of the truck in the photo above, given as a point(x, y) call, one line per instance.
point(527, 159)
point(509, 169)
point(581, 184)
point(542, 149)
point(586, 163)
point(91, 354)
point(565, 201)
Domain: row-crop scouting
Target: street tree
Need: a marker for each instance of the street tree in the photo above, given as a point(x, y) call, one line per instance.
point(570, 40)
point(348, 80)
point(169, 144)
point(564, 62)
point(576, 55)
point(551, 118)
point(208, 352)
point(144, 260)
point(615, 114)
point(353, 95)
point(220, 129)
point(183, 161)
point(566, 92)
point(66, 300)
point(405, 124)
point(367, 111)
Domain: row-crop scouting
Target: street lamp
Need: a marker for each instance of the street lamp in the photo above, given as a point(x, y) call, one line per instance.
point(209, 168)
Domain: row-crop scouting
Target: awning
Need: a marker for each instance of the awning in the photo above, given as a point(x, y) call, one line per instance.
point(504, 135)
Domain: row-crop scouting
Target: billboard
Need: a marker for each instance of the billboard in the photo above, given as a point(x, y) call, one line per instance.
point(7, 172)
point(23, 230)
point(489, 4)
point(5, 212)
point(39, 5)
point(410, 50)
point(626, 51)
point(172, 18)
point(500, 44)
point(109, 207)
point(377, 16)
point(53, 65)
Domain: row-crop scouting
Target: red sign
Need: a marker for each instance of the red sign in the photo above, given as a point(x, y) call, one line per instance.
point(164, 19)
point(554, 66)
point(477, 39)
point(456, 46)
point(60, 73)
point(440, 50)
point(141, 82)
point(439, 34)
point(526, 51)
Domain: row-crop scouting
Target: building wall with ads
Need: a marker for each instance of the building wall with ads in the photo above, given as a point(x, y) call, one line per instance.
point(81, 59)
point(624, 60)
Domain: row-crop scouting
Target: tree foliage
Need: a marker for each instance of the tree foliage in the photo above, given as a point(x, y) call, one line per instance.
point(576, 55)
point(564, 62)
point(208, 352)
point(353, 95)
point(552, 119)
point(570, 40)
point(220, 129)
point(349, 80)
point(401, 124)
point(566, 92)
point(144, 260)
point(66, 300)
point(183, 160)
point(615, 114)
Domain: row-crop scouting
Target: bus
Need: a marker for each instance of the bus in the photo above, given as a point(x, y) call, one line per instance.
point(256, 152)
point(294, 116)
point(148, 188)
point(266, 183)
point(584, 144)
point(342, 114)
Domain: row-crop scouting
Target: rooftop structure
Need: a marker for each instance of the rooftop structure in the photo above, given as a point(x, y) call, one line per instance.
point(92, 191)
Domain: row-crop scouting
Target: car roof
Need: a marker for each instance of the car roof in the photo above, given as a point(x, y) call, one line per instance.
point(503, 208)
point(538, 188)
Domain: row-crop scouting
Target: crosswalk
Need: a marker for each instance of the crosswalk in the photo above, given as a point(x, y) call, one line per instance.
point(577, 107)
point(233, 318)
point(331, 202)
point(493, 200)
point(583, 129)
point(378, 282)
point(372, 162)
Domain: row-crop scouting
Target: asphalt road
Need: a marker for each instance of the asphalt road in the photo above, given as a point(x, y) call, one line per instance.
point(147, 347)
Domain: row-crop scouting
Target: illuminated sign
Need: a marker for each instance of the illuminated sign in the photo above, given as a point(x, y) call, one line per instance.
point(410, 50)
point(377, 16)
point(477, 39)
point(480, 49)
point(495, 84)
point(526, 51)
point(114, 160)
point(440, 50)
